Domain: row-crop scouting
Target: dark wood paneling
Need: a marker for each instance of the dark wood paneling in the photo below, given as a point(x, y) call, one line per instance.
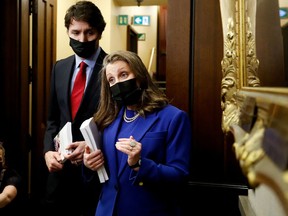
point(161, 44)
point(194, 75)
point(14, 86)
point(212, 199)
point(44, 56)
point(269, 45)
point(285, 45)
point(178, 49)
point(203, 50)
point(208, 142)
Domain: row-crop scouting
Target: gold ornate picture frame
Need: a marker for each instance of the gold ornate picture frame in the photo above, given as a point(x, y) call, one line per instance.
point(256, 115)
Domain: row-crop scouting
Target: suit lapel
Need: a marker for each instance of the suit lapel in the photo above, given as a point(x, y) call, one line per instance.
point(64, 76)
point(143, 125)
point(109, 143)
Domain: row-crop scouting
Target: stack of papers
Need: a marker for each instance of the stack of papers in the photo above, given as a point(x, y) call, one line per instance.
point(92, 137)
point(62, 140)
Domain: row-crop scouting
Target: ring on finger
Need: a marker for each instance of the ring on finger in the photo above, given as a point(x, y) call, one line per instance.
point(132, 144)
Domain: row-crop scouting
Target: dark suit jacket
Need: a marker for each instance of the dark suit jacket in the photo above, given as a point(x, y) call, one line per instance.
point(66, 186)
point(59, 112)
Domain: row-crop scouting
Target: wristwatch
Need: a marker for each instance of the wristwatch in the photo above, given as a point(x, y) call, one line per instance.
point(138, 164)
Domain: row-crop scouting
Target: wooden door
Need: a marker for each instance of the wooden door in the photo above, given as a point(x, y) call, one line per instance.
point(14, 85)
point(161, 44)
point(193, 82)
point(132, 39)
point(43, 58)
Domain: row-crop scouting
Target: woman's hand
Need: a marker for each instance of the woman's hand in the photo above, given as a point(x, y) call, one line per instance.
point(93, 160)
point(130, 147)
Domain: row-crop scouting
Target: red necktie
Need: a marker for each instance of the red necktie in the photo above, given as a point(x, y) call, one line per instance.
point(78, 89)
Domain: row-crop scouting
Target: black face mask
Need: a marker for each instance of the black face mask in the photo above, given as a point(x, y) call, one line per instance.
point(126, 93)
point(83, 49)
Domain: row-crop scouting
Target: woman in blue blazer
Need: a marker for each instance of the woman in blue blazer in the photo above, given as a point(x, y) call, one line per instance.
point(145, 142)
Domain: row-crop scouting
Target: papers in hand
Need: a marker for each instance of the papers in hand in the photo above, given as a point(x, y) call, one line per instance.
point(91, 135)
point(62, 140)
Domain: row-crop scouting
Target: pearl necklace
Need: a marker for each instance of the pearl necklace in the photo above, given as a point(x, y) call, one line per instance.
point(127, 119)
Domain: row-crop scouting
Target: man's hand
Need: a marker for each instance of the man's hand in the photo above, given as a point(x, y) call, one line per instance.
point(77, 148)
point(53, 161)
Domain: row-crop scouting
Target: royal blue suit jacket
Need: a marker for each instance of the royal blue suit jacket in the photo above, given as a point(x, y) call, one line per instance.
point(165, 136)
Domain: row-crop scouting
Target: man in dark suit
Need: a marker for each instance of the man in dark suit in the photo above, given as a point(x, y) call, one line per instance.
point(66, 194)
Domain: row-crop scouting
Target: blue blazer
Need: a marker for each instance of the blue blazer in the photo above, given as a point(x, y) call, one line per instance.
point(165, 136)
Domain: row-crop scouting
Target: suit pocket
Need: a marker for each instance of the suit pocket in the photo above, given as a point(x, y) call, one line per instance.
point(154, 145)
point(155, 135)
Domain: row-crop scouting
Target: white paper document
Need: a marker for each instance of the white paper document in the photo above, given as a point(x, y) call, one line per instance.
point(92, 137)
point(62, 140)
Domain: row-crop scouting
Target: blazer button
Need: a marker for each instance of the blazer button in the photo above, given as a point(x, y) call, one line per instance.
point(141, 183)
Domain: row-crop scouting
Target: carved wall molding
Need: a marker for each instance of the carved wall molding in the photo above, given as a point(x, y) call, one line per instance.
point(234, 45)
point(261, 142)
point(256, 116)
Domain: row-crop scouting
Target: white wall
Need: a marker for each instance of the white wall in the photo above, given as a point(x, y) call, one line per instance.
point(62, 41)
point(114, 36)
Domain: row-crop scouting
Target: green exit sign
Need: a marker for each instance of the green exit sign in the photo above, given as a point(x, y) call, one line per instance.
point(141, 20)
point(283, 12)
point(123, 20)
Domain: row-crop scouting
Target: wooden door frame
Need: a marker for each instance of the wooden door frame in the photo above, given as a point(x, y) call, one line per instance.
point(14, 84)
point(43, 59)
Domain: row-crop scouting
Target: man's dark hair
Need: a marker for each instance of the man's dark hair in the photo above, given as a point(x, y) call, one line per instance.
point(88, 12)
